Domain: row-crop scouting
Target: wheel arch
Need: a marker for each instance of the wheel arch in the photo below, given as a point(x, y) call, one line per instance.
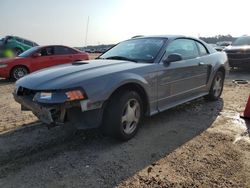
point(20, 65)
point(133, 86)
point(222, 69)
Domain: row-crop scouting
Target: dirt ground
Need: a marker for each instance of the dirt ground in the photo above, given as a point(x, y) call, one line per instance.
point(198, 144)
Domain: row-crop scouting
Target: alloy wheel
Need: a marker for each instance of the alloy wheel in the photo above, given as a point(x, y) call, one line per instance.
point(131, 116)
point(218, 83)
point(19, 72)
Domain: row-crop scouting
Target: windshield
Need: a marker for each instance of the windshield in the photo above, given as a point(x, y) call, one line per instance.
point(143, 50)
point(29, 52)
point(242, 41)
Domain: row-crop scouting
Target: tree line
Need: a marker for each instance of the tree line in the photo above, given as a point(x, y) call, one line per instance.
point(218, 38)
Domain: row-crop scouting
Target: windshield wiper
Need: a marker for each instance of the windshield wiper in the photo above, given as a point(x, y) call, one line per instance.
point(120, 58)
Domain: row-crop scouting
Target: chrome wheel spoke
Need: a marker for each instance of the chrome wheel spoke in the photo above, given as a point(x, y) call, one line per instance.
point(131, 116)
point(217, 86)
point(135, 107)
point(124, 118)
point(19, 73)
point(127, 127)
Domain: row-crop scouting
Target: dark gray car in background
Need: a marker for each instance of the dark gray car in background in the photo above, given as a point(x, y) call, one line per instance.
point(239, 53)
point(140, 76)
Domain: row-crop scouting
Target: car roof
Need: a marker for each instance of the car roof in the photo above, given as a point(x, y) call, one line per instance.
point(173, 37)
point(51, 45)
point(168, 37)
point(160, 36)
point(20, 38)
point(244, 36)
point(46, 46)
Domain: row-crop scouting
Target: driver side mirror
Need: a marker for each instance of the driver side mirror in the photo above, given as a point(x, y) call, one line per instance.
point(173, 58)
point(36, 55)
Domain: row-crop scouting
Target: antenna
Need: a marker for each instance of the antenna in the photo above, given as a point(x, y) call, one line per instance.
point(87, 29)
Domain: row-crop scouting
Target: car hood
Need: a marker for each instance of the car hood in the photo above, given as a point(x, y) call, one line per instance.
point(74, 74)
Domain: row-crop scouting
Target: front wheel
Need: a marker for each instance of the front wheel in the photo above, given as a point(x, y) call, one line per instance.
point(19, 72)
point(122, 115)
point(217, 86)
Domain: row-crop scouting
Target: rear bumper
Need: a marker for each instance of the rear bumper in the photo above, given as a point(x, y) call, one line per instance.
point(59, 114)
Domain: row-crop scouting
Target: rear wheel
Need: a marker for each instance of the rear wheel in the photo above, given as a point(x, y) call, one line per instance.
point(19, 72)
point(122, 115)
point(217, 86)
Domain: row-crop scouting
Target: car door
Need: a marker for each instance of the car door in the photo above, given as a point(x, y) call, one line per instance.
point(182, 80)
point(63, 55)
point(45, 60)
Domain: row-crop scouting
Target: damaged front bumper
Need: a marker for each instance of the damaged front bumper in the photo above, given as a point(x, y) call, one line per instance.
point(45, 113)
point(80, 113)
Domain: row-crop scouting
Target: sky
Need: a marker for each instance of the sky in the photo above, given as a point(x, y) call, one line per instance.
point(111, 21)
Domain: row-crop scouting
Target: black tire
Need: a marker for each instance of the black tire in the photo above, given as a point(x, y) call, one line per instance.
point(19, 72)
point(215, 92)
point(117, 110)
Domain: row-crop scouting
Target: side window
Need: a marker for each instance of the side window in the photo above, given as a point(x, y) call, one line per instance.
point(47, 51)
point(28, 43)
point(202, 49)
point(185, 47)
point(19, 40)
point(60, 50)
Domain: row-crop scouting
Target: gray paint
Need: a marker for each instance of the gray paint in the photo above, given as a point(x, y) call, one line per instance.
point(165, 85)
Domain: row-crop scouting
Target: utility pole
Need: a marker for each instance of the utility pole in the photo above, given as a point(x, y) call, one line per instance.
point(87, 29)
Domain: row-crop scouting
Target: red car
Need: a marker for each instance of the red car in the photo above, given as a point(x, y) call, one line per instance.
point(37, 58)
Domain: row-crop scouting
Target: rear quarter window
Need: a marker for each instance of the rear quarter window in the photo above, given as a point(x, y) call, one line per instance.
point(19, 40)
point(60, 50)
point(28, 43)
point(202, 49)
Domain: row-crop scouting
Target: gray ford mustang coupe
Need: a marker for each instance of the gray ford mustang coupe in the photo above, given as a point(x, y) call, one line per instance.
point(137, 77)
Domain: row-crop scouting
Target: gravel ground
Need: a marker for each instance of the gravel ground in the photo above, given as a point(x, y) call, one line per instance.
point(198, 144)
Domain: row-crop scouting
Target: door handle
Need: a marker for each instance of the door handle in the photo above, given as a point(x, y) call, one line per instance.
point(201, 64)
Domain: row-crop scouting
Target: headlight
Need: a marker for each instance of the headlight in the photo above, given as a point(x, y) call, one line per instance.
point(3, 65)
point(59, 96)
point(45, 95)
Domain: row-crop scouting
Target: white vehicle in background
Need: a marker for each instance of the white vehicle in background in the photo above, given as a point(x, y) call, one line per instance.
point(224, 44)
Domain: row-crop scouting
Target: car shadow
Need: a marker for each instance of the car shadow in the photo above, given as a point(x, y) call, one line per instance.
point(111, 161)
point(4, 82)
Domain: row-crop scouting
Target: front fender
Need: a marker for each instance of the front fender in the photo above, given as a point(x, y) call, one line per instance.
point(107, 85)
point(128, 78)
